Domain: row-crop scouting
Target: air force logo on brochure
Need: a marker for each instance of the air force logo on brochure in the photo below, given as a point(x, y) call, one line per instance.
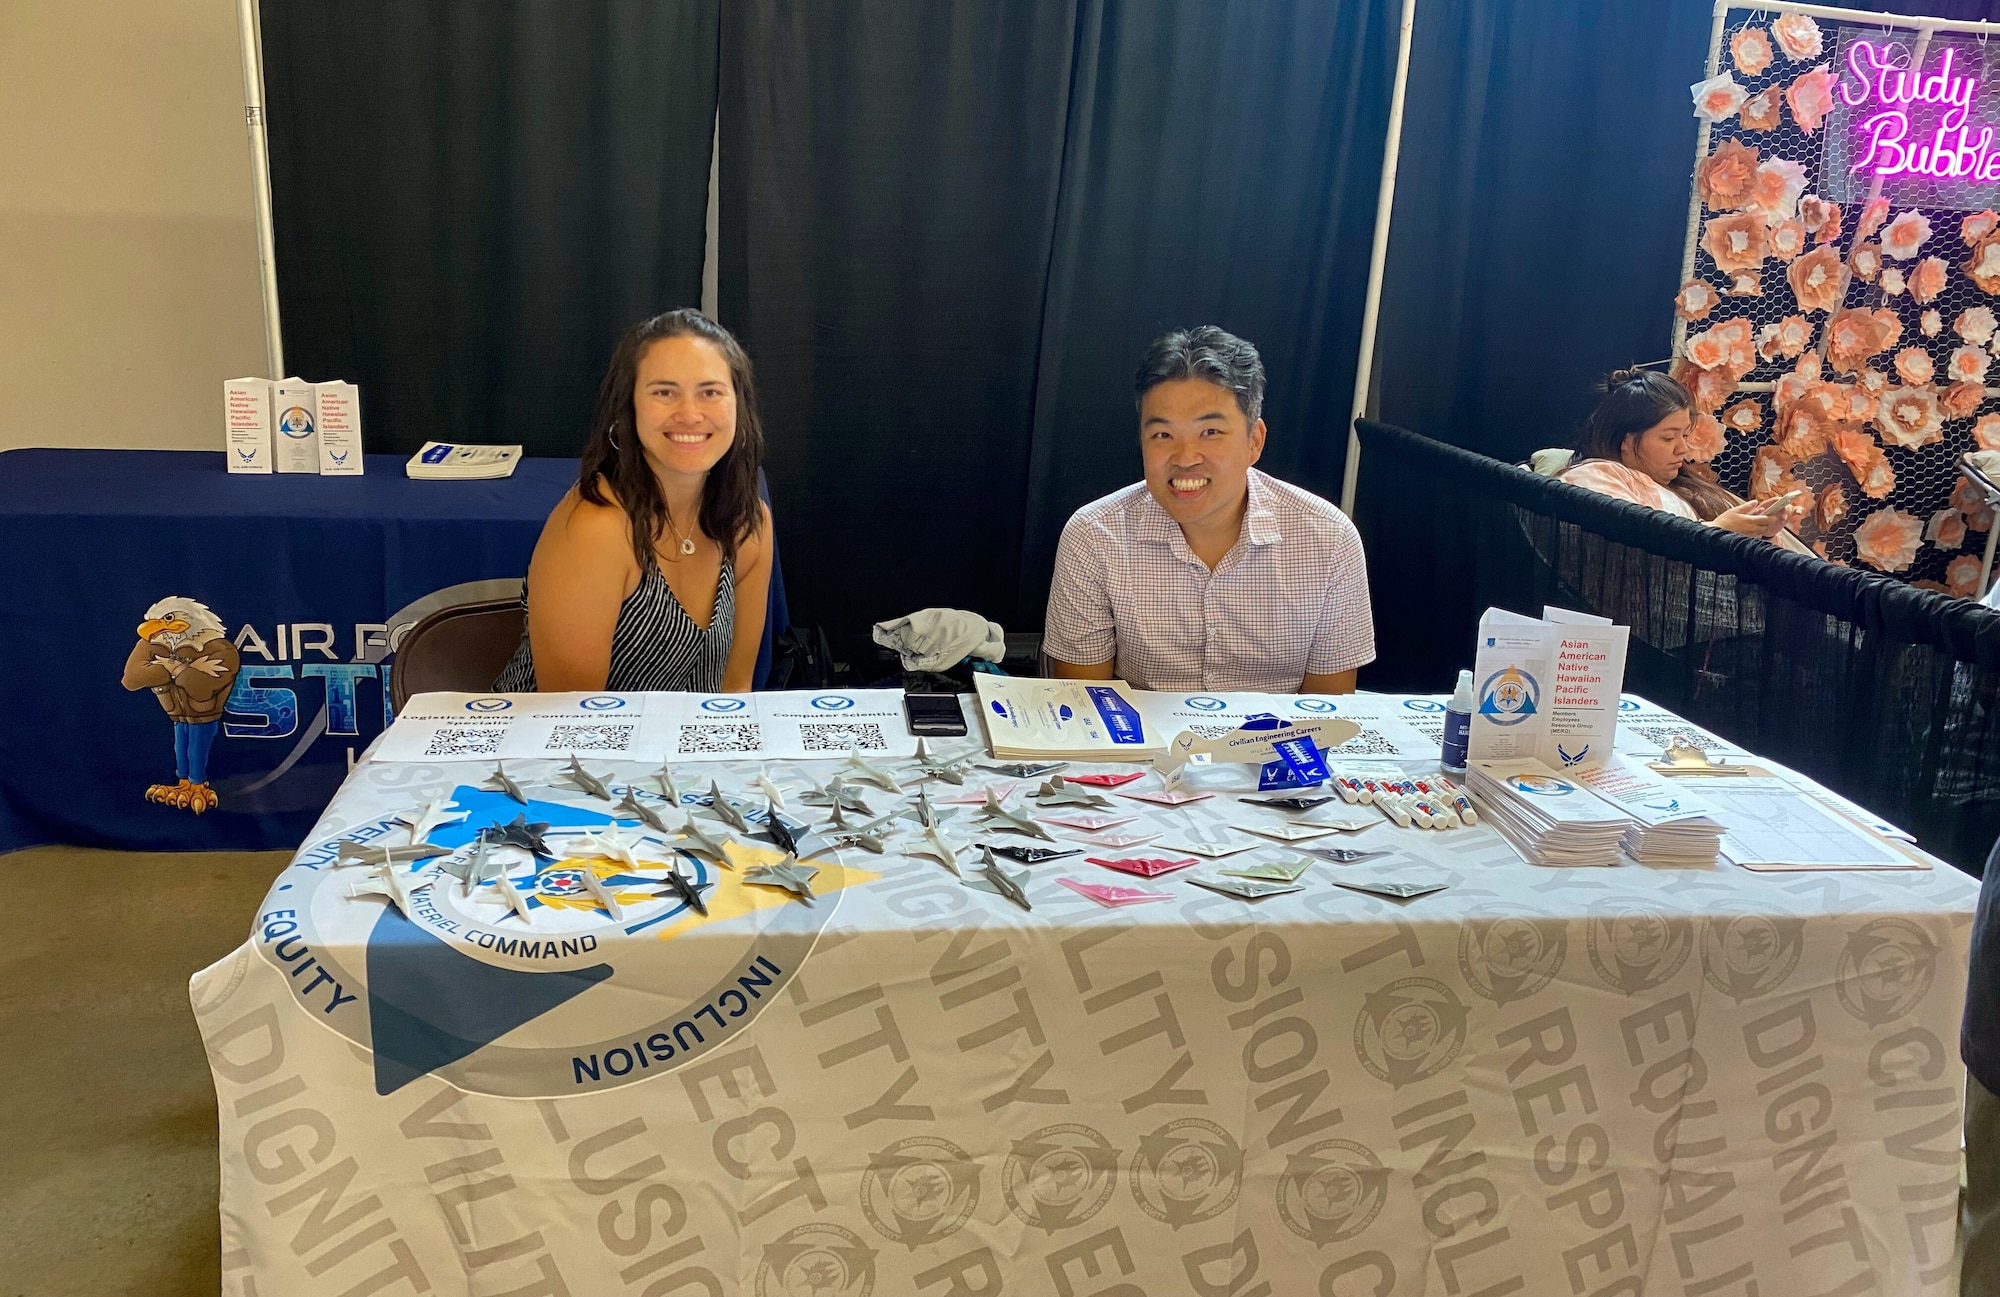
point(489, 704)
point(833, 702)
point(723, 704)
point(569, 999)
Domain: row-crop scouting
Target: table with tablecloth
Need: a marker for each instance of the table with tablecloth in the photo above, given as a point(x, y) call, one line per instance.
point(1538, 1081)
point(311, 581)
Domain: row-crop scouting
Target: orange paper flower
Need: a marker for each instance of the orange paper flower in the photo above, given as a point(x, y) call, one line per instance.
point(1742, 355)
point(1744, 416)
point(1967, 498)
point(1821, 218)
point(1873, 214)
point(1745, 283)
point(1961, 399)
point(1892, 282)
point(1784, 338)
point(1983, 266)
point(1888, 540)
point(1874, 381)
point(1931, 323)
point(1737, 241)
point(1853, 336)
point(1904, 235)
point(1927, 279)
point(1866, 261)
point(1760, 112)
point(1866, 461)
point(1976, 324)
point(1815, 277)
point(1804, 430)
point(1750, 50)
point(1705, 438)
point(1832, 507)
point(1986, 432)
point(1968, 365)
point(1798, 36)
point(1913, 365)
point(1770, 472)
point(1977, 226)
point(1961, 576)
point(1946, 529)
point(1717, 98)
point(1811, 98)
point(1776, 189)
point(1726, 178)
point(1709, 387)
point(1909, 416)
point(1808, 366)
point(1788, 240)
point(1695, 300)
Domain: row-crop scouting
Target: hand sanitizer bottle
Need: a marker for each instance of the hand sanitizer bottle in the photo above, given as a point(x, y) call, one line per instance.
point(1458, 727)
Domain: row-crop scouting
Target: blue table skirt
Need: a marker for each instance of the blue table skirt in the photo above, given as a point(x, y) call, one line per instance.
point(306, 575)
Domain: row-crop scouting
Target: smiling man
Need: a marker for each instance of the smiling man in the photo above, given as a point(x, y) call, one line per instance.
point(1209, 574)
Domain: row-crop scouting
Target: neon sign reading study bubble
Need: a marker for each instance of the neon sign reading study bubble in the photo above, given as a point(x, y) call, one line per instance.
point(1894, 87)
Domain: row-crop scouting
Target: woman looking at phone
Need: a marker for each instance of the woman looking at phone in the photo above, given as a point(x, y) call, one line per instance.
point(1634, 448)
point(652, 571)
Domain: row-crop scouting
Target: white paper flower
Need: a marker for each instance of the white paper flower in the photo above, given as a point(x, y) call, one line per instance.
point(1975, 324)
point(1931, 323)
point(1892, 282)
point(1968, 365)
point(1717, 98)
point(1904, 235)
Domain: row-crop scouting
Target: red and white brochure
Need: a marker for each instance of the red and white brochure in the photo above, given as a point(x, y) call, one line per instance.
point(1107, 894)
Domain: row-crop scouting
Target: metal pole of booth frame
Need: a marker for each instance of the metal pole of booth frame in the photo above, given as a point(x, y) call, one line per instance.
point(1378, 258)
point(249, 28)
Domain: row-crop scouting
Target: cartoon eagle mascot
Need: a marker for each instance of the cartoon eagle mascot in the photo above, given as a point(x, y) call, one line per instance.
point(185, 658)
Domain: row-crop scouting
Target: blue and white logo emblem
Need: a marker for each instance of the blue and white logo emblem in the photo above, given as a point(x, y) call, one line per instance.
point(1423, 705)
point(1318, 706)
point(296, 422)
point(1204, 703)
point(833, 702)
point(1509, 697)
point(723, 704)
point(601, 703)
point(489, 704)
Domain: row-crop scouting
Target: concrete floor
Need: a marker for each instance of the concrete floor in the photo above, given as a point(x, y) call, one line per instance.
point(107, 1128)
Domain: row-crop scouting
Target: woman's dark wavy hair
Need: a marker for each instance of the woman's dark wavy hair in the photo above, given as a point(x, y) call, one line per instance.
point(1631, 401)
point(613, 456)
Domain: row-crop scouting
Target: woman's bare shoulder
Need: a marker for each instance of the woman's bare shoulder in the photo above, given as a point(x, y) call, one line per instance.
point(583, 524)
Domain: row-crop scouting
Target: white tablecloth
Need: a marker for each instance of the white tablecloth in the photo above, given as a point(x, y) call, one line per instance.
point(1538, 1081)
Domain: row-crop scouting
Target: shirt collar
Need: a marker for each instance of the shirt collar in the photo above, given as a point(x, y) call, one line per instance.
point(1260, 518)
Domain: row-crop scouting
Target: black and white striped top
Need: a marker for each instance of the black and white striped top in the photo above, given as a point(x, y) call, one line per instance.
point(655, 645)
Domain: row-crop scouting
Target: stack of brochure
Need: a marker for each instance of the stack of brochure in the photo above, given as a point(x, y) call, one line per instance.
point(1671, 825)
point(1549, 818)
point(444, 461)
point(1089, 720)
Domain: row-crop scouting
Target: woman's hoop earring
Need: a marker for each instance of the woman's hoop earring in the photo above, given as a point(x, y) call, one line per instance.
point(613, 439)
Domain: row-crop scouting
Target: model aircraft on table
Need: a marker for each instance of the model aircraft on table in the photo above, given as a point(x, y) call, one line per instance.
point(685, 890)
point(930, 767)
point(502, 782)
point(938, 847)
point(704, 844)
point(631, 808)
point(780, 832)
point(474, 869)
point(724, 811)
point(436, 813)
point(1007, 821)
point(588, 782)
point(1055, 791)
point(789, 874)
point(362, 853)
point(520, 833)
point(610, 844)
point(868, 837)
point(835, 793)
point(1006, 884)
point(670, 790)
point(772, 793)
point(398, 884)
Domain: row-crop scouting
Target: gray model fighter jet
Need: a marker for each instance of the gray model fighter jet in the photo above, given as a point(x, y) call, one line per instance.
point(939, 848)
point(685, 890)
point(1056, 791)
point(725, 812)
point(1006, 821)
point(835, 793)
point(588, 782)
point(670, 790)
point(502, 782)
point(437, 813)
point(952, 772)
point(1026, 769)
point(789, 874)
point(1006, 884)
point(780, 832)
point(703, 843)
point(520, 833)
point(868, 837)
point(924, 813)
point(472, 870)
point(634, 809)
point(858, 769)
point(362, 853)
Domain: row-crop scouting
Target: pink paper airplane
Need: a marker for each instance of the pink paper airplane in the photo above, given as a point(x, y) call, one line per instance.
point(1105, 894)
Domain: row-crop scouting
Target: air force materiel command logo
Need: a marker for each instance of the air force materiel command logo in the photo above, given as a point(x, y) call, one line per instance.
point(1188, 1171)
point(489, 704)
point(1885, 970)
point(1748, 955)
point(593, 989)
point(1409, 1030)
point(601, 703)
point(1509, 697)
point(723, 704)
point(1331, 1191)
point(919, 1190)
point(1509, 952)
point(1634, 948)
point(833, 702)
point(1317, 706)
point(1204, 703)
point(817, 1260)
point(1060, 1176)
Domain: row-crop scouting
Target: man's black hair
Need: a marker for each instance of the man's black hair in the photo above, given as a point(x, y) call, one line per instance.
point(1207, 353)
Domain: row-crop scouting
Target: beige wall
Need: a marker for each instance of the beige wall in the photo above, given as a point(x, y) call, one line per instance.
point(128, 252)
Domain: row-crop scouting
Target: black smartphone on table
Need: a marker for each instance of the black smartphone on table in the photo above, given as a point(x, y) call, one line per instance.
point(933, 713)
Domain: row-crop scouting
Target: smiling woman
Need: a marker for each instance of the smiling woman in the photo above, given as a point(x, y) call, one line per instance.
point(652, 572)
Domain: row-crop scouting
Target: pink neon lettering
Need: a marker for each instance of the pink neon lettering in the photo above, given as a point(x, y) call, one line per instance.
point(1947, 154)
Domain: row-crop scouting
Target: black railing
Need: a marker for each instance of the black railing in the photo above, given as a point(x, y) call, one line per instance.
point(1883, 692)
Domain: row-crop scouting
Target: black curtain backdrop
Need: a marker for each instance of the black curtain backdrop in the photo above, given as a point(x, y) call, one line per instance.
point(889, 176)
point(1221, 167)
point(473, 198)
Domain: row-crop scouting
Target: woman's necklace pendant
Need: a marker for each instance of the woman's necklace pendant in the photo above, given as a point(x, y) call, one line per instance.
point(687, 545)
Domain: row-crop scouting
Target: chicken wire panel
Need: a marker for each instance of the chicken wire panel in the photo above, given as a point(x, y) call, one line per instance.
point(1816, 221)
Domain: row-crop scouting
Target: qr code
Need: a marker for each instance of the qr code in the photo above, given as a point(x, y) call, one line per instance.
point(458, 742)
point(590, 738)
point(721, 739)
point(1368, 743)
point(1212, 731)
point(833, 736)
point(1662, 735)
